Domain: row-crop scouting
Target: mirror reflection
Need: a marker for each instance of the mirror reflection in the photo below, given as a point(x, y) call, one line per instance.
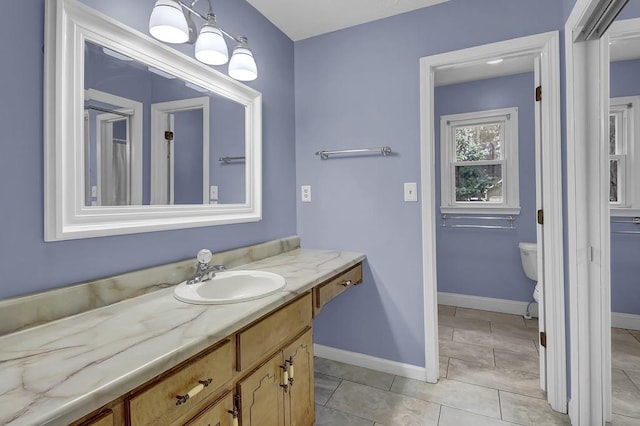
point(153, 139)
point(624, 198)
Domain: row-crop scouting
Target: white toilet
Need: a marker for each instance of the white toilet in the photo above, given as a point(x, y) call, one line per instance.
point(529, 257)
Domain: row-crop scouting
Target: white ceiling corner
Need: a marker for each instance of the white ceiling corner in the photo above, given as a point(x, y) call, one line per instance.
point(308, 18)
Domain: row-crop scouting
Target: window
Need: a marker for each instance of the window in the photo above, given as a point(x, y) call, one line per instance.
point(479, 153)
point(623, 156)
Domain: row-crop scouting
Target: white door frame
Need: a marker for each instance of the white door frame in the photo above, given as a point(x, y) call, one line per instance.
point(135, 154)
point(548, 46)
point(159, 176)
point(588, 211)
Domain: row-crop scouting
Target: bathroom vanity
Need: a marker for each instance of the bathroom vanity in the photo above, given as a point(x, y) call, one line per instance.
point(152, 359)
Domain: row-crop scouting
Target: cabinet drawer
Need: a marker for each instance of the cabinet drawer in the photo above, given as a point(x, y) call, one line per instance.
point(330, 289)
point(217, 414)
point(157, 404)
point(270, 333)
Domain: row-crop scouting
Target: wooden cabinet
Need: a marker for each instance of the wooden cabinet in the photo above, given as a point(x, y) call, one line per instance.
point(299, 398)
point(280, 392)
point(173, 396)
point(220, 413)
point(262, 375)
point(331, 288)
point(271, 332)
point(261, 395)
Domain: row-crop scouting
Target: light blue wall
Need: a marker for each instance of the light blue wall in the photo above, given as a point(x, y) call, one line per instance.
point(359, 87)
point(625, 270)
point(481, 262)
point(28, 263)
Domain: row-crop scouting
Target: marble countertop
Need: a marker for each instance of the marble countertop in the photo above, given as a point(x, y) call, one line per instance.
point(58, 372)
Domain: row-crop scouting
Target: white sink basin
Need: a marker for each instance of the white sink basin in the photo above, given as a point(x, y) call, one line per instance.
point(230, 287)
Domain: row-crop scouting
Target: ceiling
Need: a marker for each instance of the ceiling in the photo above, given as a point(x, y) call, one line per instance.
point(302, 19)
point(463, 73)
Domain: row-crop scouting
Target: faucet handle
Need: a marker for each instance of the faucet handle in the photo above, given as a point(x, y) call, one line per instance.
point(204, 256)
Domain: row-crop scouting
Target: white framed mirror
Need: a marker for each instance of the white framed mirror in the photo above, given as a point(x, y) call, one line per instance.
point(140, 137)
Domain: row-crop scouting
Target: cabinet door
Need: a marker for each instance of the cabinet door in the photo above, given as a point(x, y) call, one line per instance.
point(261, 396)
point(299, 399)
point(217, 414)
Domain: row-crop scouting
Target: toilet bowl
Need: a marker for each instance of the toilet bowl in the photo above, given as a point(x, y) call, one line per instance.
point(529, 258)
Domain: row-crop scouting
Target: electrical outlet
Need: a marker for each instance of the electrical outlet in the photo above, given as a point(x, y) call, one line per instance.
point(410, 191)
point(213, 193)
point(94, 191)
point(305, 193)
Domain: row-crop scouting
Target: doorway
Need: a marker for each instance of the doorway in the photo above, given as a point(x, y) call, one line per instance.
point(180, 151)
point(544, 46)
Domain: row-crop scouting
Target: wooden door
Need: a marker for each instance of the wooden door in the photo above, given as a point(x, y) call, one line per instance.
point(261, 395)
point(299, 398)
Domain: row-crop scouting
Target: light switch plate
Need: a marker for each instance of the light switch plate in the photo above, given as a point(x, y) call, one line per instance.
point(213, 192)
point(305, 193)
point(410, 191)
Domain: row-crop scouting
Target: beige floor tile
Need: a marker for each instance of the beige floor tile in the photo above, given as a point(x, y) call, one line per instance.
point(532, 323)
point(383, 406)
point(635, 377)
point(636, 334)
point(529, 411)
point(473, 398)
point(329, 417)
point(626, 397)
point(621, 335)
point(444, 366)
point(619, 420)
point(625, 355)
point(514, 381)
point(459, 350)
point(445, 333)
point(464, 323)
point(352, 373)
point(324, 387)
point(454, 417)
point(517, 361)
point(498, 341)
point(446, 310)
point(490, 316)
point(514, 330)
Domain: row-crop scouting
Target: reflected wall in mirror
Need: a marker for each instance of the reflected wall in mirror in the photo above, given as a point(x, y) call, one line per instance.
point(624, 198)
point(186, 131)
point(140, 137)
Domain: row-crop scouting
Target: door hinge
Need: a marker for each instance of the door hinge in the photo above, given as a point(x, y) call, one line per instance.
point(540, 217)
point(168, 136)
point(538, 93)
point(543, 339)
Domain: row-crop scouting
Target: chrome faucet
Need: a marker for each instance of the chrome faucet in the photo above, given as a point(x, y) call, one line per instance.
point(204, 272)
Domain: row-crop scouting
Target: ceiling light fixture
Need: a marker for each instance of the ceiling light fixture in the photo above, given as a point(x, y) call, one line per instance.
point(171, 22)
point(495, 61)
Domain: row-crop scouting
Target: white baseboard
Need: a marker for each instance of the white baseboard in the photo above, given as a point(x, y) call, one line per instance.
point(367, 361)
point(628, 321)
point(487, 304)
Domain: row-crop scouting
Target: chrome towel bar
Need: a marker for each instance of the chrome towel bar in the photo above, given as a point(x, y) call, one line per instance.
point(510, 219)
point(384, 151)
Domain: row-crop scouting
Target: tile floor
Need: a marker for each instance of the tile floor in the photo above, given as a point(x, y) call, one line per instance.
point(489, 376)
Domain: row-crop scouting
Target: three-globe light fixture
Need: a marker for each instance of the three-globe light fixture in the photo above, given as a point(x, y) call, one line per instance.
point(171, 22)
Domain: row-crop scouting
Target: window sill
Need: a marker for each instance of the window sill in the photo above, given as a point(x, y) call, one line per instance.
point(624, 212)
point(479, 210)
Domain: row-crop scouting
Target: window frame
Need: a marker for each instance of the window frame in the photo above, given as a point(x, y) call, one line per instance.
point(510, 204)
point(628, 205)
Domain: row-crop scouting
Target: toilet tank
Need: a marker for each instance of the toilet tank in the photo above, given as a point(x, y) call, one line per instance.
point(529, 258)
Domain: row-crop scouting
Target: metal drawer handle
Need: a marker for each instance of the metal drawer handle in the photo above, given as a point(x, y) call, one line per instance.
point(346, 283)
point(291, 371)
point(193, 392)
